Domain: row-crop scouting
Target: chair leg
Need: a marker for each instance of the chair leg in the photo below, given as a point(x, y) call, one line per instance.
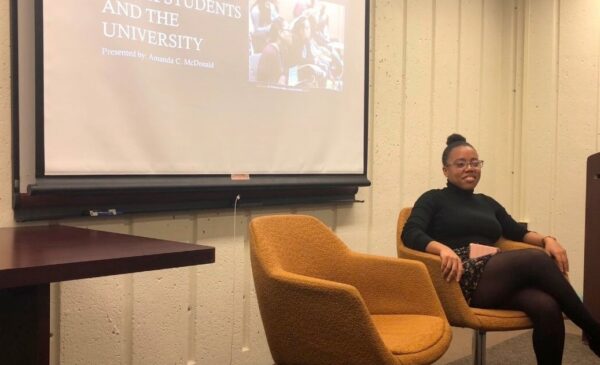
point(478, 347)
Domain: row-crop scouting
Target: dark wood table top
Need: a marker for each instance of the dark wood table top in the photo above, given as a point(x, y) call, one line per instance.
point(45, 254)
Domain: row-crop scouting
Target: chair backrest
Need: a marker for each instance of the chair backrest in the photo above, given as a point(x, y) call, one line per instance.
point(298, 244)
point(402, 218)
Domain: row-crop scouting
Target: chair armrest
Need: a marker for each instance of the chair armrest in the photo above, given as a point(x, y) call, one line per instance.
point(327, 318)
point(389, 285)
point(457, 310)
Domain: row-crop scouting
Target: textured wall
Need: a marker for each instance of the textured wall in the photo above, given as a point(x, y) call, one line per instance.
point(519, 78)
point(5, 130)
point(560, 118)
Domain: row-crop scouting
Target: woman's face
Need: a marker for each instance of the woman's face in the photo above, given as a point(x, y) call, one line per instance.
point(465, 177)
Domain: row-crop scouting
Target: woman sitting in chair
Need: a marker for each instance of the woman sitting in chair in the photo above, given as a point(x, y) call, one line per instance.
point(462, 227)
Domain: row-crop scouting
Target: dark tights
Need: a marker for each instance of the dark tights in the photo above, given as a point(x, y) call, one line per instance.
point(529, 281)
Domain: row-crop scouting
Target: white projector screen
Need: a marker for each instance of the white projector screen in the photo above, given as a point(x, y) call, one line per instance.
point(203, 87)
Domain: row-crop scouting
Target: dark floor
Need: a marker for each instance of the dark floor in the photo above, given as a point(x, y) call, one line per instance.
point(462, 341)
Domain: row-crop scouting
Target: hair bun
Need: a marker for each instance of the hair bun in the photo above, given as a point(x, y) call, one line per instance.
point(454, 138)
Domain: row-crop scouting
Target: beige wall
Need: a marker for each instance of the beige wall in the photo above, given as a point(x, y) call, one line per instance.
point(519, 78)
point(5, 134)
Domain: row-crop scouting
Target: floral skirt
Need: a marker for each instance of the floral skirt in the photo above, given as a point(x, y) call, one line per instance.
point(473, 268)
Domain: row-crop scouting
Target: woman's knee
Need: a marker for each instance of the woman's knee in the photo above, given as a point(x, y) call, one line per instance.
point(542, 308)
point(532, 258)
point(549, 309)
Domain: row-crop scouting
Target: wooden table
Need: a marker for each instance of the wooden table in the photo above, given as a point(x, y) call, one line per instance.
point(33, 257)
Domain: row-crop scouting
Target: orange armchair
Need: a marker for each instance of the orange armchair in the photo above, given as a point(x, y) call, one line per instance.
point(321, 303)
point(457, 310)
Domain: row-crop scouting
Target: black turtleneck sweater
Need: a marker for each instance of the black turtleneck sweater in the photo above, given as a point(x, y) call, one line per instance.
point(457, 217)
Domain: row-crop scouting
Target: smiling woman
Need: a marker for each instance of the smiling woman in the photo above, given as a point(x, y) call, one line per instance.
point(448, 222)
point(462, 165)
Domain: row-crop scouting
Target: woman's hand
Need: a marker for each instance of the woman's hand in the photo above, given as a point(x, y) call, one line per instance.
point(558, 252)
point(452, 268)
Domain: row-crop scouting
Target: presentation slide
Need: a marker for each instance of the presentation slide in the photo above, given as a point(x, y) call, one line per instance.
point(203, 87)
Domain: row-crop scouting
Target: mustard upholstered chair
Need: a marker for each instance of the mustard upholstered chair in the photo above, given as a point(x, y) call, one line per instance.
point(324, 304)
point(457, 310)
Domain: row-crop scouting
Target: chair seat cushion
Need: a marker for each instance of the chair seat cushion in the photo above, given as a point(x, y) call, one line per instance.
point(410, 333)
point(502, 320)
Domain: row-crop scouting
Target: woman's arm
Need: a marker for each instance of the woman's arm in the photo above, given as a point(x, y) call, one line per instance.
point(514, 231)
point(415, 236)
point(414, 233)
point(451, 265)
point(552, 246)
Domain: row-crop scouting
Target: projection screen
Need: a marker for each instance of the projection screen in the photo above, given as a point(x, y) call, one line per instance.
point(160, 96)
point(203, 87)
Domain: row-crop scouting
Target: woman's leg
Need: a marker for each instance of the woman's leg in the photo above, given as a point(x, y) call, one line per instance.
point(508, 273)
point(548, 324)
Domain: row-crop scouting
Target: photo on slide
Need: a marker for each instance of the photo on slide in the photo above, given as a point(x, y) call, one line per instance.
point(296, 44)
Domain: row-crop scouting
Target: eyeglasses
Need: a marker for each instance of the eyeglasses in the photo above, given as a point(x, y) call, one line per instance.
point(462, 164)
